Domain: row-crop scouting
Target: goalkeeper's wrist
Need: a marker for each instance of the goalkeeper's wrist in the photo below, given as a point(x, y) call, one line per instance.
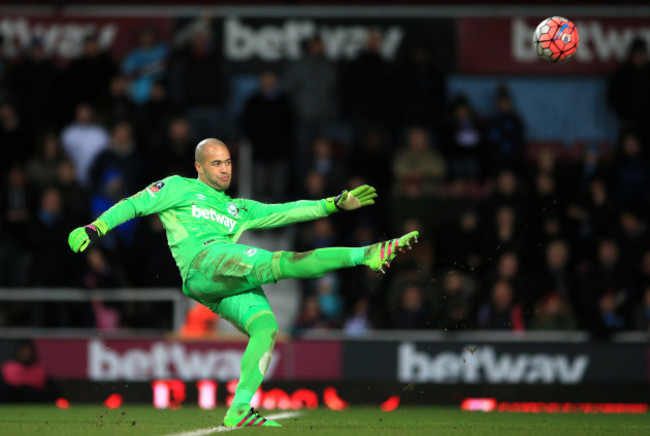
point(101, 226)
point(331, 206)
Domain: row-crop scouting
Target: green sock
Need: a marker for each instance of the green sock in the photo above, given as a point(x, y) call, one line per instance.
point(317, 263)
point(255, 360)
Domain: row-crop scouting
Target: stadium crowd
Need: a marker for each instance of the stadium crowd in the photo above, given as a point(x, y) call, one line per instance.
point(515, 235)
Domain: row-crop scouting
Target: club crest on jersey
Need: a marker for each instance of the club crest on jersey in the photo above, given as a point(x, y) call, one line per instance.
point(233, 210)
point(251, 252)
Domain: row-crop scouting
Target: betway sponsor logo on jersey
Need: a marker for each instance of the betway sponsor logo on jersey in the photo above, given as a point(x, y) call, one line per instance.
point(484, 365)
point(162, 360)
point(211, 214)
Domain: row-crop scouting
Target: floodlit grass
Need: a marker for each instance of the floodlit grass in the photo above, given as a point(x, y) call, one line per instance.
point(19, 420)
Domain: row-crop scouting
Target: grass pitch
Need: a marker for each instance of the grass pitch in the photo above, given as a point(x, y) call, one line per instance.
point(18, 420)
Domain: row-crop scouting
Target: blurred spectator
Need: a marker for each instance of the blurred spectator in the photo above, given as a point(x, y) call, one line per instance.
point(17, 205)
point(145, 64)
point(318, 234)
point(177, 153)
point(505, 236)
point(555, 277)
point(606, 289)
point(74, 196)
point(197, 82)
point(48, 231)
point(643, 269)
point(594, 215)
point(453, 304)
point(501, 312)
point(43, 166)
point(199, 322)
point(642, 312)
point(24, 379)
point(83, 140)
point(120, 106)
point(16, 142)
point(632, 171)
point(99, 273)
point(314, 186)
point(610, 316)
point(152, 264)
point(418, 160)
point(358, 322)
point(311, 316)
point(312, 84)
point(329, 299)
point(371, 160)
point(3, 71)
point(546, 201)
point(267, 123)
point(152, 119)
point(421, 89)
point(35, 85)
point(88, 77)
point(553, 313)
point(633, 237)
point(461, 244)
point(505, 133)
point(628, 93)
point(412, 311)
point(509, 192)
point(463, 141)
point(590, 164)
point(123, 158)
point(324, 161)
point(410, 201)
point(368, 91)
point(508, 269)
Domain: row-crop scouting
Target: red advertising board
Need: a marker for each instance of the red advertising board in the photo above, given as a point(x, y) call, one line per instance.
point(62, 36)
point(151, 359)
point(504, 45)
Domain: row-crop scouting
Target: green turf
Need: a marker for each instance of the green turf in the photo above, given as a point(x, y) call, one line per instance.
point(145, 420)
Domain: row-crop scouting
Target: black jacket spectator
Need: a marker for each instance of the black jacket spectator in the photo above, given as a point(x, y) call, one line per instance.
point(88, 77)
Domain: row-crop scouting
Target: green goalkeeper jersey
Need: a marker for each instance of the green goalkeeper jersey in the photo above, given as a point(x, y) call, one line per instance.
point(196, 215)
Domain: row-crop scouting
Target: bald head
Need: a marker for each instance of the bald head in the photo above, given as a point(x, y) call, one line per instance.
point(204, 147)
point(213, 163)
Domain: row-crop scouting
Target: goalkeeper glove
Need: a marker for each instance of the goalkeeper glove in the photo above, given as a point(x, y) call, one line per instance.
point(81, 237)
point(349, 200)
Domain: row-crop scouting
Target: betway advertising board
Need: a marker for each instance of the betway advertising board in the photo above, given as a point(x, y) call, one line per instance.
point(242, 42)
point(450, 362)
point(496, 363)
point(504, 45)
point(153, 359)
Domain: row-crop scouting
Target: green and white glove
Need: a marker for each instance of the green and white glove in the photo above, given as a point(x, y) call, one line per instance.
point(350, 200)
point(81, 237)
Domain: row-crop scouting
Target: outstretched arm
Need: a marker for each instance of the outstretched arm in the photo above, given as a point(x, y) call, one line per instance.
point(156, 197)
point(264, 216)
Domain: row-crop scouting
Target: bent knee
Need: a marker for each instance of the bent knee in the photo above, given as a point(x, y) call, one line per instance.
point(264, 327)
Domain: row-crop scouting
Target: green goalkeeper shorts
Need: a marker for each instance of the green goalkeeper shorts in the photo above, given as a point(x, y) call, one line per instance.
point(222, 270)
point(227, 278)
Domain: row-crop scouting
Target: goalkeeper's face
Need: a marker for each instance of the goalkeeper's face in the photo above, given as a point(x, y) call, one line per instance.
point(215, 166)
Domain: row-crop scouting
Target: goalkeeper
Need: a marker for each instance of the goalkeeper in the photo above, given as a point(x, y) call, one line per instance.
point(203, 225)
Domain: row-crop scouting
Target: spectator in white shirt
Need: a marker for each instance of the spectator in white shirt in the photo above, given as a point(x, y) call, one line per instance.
point(83, 140)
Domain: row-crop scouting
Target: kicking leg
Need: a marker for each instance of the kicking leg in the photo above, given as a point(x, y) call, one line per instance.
point(319, 262)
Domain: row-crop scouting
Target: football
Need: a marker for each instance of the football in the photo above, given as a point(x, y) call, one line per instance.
point(556, 39)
